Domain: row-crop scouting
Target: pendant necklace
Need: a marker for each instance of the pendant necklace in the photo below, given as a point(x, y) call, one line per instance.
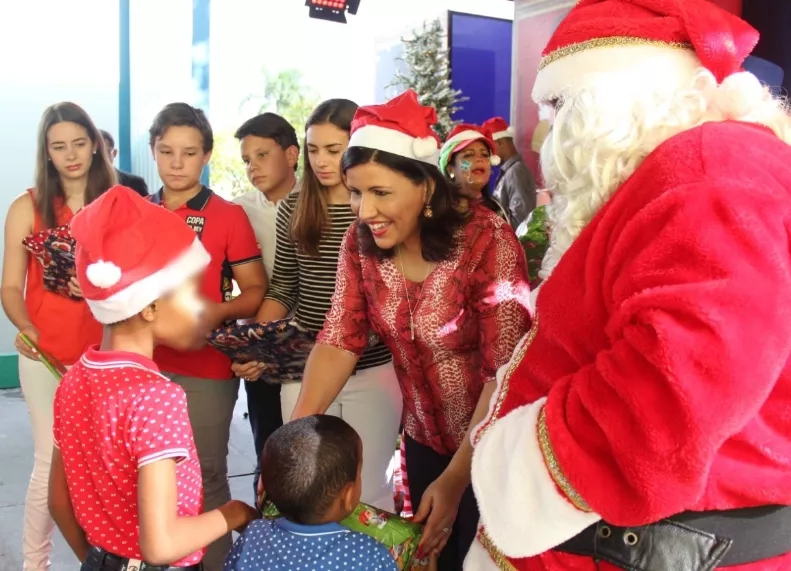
point(406, 289)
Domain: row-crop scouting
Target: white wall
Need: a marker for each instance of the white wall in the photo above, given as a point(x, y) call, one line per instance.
point(338, 60)
point(160, 45)
point(52, 51)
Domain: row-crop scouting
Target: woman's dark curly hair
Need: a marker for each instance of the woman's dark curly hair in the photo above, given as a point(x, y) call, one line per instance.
point(438, 233)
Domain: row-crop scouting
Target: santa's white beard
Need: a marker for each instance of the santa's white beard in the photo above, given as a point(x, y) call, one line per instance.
point(600, 136)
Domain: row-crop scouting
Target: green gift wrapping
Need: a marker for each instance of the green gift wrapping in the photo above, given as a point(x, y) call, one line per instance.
point(401, 537)
point(534, 236)
point(48, 361)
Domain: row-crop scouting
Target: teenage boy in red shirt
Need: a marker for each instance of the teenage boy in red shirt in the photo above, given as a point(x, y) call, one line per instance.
point(181, 140)
point(125, 483)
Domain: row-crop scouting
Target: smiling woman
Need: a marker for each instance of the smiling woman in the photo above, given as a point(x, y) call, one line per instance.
point(442, 281)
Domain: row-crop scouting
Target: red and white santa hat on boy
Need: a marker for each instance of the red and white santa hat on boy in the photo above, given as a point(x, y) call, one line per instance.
point(131, 252)
point(656, 43)
point(402, 126)
point(499, 128)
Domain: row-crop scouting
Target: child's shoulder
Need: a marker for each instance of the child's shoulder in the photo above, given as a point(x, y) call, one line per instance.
point(376, 554)
point(259, 526)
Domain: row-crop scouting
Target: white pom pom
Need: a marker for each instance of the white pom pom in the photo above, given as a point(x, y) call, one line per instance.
point(424, 147)
point(103, 274)
point(495, 160)
point(739, 94)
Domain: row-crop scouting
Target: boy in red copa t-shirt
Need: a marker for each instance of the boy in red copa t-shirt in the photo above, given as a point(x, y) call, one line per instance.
point(182, 140)
point(125, 485)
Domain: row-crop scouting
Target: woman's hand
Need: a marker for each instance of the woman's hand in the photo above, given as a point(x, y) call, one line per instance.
point(23, 348)
point(74, 287)
point(438, 508)
point(250, 371)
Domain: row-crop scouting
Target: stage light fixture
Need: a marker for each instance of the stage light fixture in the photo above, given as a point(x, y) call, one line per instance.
point(332, 10)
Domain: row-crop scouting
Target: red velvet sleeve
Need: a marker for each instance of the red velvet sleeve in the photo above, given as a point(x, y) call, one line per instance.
point(500, 298)
point(346, 326)
point(699, 328)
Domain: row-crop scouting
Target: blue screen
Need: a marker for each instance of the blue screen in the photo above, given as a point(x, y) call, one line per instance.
point(480, 62)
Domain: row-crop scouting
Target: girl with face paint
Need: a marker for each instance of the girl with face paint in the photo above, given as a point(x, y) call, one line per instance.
point(467, 158)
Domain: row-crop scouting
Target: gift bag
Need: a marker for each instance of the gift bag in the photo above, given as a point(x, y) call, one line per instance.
point(281, 346)
point(400, 536)
point(533, 234)
point(54, 250)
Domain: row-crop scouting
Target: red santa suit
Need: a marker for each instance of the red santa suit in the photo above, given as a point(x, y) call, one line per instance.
point(655, 382)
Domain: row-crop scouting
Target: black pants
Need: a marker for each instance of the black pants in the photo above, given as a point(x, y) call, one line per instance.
point(263, 409)
point(423, 466)
point(100, 560)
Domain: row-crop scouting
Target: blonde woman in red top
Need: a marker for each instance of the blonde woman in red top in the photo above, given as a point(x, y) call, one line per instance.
point(72, 169)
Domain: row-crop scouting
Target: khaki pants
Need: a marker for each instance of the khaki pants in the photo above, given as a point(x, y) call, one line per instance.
point(38, 386)
point(211, 405)
point(371, 402)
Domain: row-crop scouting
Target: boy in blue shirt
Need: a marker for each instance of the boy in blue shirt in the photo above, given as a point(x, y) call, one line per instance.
point(310, 469)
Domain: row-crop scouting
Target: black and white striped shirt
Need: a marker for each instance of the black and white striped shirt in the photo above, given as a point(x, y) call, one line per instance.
point(306, 282)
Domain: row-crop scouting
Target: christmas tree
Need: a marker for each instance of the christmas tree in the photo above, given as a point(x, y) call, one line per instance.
point(428, 74)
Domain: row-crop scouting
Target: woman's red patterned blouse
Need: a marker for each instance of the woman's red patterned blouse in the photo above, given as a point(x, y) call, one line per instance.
point(468, 319)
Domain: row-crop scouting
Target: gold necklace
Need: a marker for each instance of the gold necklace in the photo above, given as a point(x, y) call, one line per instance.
point(406, 290)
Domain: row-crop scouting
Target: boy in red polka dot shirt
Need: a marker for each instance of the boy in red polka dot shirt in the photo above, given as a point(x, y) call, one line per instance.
point(125, 485)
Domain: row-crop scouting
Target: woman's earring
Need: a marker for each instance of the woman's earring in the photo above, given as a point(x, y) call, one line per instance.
point(452, 175)
point(427, 212)
point(94, 151)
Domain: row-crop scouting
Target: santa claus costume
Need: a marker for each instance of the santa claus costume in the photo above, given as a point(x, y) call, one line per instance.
point(643, 423)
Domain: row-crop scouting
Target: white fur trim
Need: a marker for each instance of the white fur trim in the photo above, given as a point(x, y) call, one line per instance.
point(478, 559)
point(499, 377)
point(534, 298)
point(507, 134)
point(494, 160)
point(103, 274)
point(630, 66)
point(522, 510)
point(396, 142)
point(424, 147)
point(468, 135)
point(133, 299)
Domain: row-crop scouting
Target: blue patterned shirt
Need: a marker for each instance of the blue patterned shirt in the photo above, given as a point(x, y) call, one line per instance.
point(282, 545)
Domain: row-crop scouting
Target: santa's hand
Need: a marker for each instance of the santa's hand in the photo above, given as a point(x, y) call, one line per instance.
point(250, 371)
point(74, 288)
point(439, 508)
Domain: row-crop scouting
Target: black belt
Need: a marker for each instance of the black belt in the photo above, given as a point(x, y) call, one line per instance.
point(103, 561)
point(692, 541)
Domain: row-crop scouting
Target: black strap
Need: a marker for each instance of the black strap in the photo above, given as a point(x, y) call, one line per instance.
point(100, 560)
point(694, 541)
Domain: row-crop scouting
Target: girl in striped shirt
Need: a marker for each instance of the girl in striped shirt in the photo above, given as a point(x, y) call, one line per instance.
point(311, 223)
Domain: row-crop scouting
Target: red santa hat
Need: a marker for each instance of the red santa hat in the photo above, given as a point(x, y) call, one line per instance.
point(402, 126)
point(499, 128)
point(656, 41)
point(461, 137)
point(131, 252)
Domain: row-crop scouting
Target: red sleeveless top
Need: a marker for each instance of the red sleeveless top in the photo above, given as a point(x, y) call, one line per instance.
point(66, 327)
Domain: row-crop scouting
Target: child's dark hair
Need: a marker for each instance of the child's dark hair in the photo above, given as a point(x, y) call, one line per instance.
point(270, 126)
point(181, 115)
point(307, 463)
